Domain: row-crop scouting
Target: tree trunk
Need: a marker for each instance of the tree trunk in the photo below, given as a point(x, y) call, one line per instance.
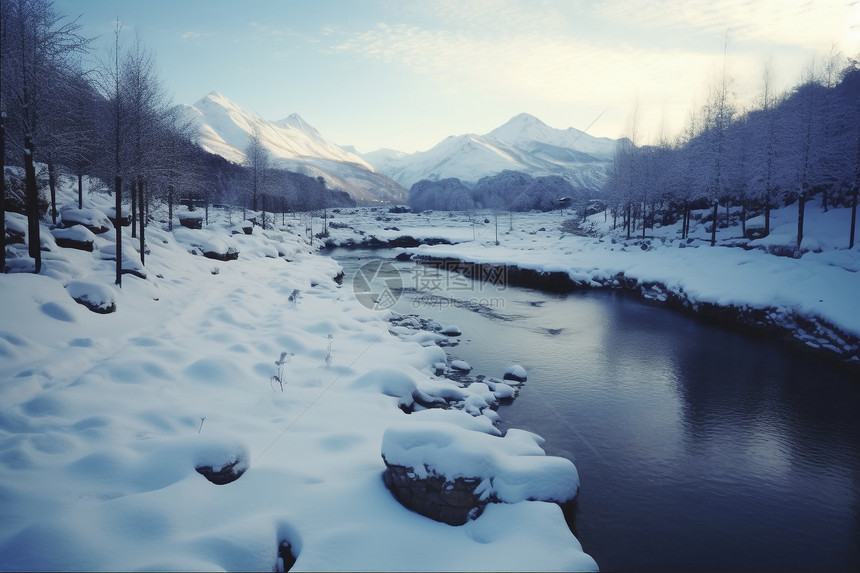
point(117, 186)
point(170, 199)
point(263, 206)
point(801, 212)
point(52, 185)
point(689, 217)
point(714, 225)
point(853, 217)
point(743, 218)
point(80, 189)
point(683, 222)
point(142, 219)
point(34, 239)
point(629, 221)
point(767, 213)
point(133, 211)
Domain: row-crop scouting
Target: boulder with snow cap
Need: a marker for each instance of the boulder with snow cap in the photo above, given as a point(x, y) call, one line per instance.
point(77, 237)
point(516, 373)
point(449, 473)
point(93, 219)
point(99, 298)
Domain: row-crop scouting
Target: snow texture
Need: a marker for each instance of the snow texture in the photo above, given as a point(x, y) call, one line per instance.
point(105, 418)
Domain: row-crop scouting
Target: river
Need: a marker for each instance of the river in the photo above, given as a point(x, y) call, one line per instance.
point(698, 445)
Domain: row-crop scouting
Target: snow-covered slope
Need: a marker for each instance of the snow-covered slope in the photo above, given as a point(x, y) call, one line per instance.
point(524, 143)
point(262, 367)
point(224, 128)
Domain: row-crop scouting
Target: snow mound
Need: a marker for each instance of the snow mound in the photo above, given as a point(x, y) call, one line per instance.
point(512, 469)
point(93, 219)
point(97, 297)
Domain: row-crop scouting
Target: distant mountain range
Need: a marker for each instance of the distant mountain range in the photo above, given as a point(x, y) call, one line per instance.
point(225, 128)
point(522, 144)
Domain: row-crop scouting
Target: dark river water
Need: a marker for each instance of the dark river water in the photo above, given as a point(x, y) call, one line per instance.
point(698, 446)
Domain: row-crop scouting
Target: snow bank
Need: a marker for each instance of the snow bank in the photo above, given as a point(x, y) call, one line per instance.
point(778, 291)
point(512, 468)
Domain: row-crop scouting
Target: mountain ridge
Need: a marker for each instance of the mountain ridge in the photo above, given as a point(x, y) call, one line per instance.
point(225, 128)
point(523, 143)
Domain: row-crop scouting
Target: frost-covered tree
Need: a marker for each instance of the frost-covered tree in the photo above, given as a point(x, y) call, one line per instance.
point(113, 137)
point(443, 195)
point(502, 191)
point(147, 120)
point(850, 104)
point(37, 42)
point(257, 161)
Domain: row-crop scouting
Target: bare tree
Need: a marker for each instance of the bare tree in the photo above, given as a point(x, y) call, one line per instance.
point(257, 161)
point(147, 105)
point(36, 42)
point(109, 83)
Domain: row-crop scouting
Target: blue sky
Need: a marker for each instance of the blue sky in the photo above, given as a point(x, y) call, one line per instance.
point(405, 74)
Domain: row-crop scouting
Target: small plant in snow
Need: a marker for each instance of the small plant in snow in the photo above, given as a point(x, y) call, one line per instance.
point(328, 354)
point(279, 377)
point(202, 419)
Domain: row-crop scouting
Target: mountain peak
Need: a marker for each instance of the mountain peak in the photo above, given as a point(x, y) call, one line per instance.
point(216, 97)
point(525, 118)
point(298, 122)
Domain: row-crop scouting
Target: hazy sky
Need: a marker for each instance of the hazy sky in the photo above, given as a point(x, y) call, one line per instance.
point(405, 74)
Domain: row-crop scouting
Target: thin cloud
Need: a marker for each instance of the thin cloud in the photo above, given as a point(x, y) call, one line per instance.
point(798, 23)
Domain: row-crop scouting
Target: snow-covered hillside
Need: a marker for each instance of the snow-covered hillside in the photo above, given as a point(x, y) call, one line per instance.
point(264, 368)
point(224, 128)
point(522, 144)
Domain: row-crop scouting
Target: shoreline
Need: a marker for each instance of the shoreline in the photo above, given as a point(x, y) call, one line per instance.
point(810, 333)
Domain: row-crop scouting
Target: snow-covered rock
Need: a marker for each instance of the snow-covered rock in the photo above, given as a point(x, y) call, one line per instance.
point(77, 237)
point(97, 297)
point(93, 219)
point(449, 473)
point(516, 373)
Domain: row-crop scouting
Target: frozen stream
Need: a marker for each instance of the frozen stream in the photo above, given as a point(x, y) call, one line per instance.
point(698, 446)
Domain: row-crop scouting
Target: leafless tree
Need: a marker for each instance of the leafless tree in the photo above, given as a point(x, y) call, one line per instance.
point(36, 43)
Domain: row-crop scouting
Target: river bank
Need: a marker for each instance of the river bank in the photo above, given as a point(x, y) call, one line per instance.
point(810, 300)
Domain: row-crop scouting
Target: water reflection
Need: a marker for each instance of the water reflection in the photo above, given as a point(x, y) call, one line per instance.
point(697, 446)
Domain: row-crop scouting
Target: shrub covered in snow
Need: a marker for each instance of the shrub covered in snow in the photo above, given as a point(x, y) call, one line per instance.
point(443, 195)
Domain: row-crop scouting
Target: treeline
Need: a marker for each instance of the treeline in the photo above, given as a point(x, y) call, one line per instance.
point(115, 124)
point(788, 149)
point(506, 191)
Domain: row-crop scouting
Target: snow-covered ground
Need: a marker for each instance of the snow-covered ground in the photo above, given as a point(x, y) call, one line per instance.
point(815, 297)
point(264, 364)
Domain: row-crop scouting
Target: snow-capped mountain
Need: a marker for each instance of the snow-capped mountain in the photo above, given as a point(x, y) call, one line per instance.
point(224, 128)
point(524, 143)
